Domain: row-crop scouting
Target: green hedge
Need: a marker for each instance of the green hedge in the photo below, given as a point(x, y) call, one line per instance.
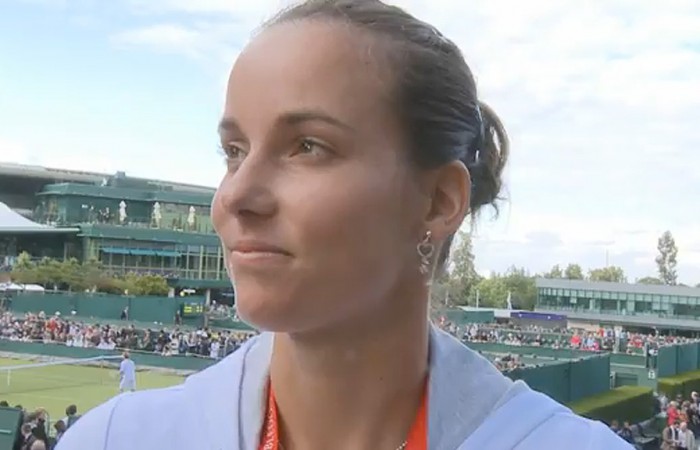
point(683, 383)
point(633, 403)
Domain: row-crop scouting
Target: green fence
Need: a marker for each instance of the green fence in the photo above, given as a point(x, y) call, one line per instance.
point(568, 381)
point(140, 358)
point(10, 420)
point(101, 306)
point(547, 352)
point(676, 359)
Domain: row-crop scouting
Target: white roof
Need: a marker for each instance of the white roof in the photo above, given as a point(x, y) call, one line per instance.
point(10, 219)
point(20, 287)
point(12, 222)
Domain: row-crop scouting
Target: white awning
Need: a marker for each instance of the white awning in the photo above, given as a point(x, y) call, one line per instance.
point(12, 222)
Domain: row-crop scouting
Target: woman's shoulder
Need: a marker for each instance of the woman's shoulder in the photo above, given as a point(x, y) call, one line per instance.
point(535, 421)
point(472, 403)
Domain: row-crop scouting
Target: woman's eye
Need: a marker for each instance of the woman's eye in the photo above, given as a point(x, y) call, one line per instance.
point(232, 152)
point(309, 146)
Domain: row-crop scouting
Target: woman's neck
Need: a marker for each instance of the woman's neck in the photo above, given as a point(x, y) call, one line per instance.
point(354, 390)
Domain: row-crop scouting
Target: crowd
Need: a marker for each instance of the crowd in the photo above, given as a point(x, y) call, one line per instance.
point(682, 429)
point(57, 330)
point(33, 432)
point(602, 339)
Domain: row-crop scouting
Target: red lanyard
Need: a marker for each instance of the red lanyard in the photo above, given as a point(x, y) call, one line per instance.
point(417, 436)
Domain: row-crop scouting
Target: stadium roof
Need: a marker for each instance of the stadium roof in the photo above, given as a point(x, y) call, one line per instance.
point(11, 222)
point(555, 283)
point(78, 176)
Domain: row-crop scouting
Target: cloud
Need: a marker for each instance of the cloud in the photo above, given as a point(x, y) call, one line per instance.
point(600, 100)
point(13, 151)
point(168, 38)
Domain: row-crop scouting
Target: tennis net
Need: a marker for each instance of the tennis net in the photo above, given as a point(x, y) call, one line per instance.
point(63, 373)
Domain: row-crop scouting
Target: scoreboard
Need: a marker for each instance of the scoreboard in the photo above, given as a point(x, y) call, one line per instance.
point(192, 309)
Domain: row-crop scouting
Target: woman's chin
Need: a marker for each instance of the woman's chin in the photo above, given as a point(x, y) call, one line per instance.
point(266, 314)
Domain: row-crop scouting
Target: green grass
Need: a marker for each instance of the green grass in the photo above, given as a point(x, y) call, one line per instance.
point(55, 387)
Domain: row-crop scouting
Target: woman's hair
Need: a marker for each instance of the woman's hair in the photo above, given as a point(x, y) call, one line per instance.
point(433, 90)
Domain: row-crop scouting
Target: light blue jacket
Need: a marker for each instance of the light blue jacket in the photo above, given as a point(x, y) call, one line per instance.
point(472, 406)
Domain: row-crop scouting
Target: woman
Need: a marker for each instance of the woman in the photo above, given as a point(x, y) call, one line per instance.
point(355, 146)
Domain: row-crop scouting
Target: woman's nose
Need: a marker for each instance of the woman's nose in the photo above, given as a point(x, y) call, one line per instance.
point(247, 192)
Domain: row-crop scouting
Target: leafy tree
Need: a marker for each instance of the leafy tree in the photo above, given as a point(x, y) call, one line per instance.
point(666, 261)
point(94, 274)
point(461, 277)
point(649, 280)
point(573, 272)
point(24, 270)
point(51, 273)
point(146, 285)
point(73, 275)
point(522, 288)
point(611, 273)
point(554, 272)
point(492, 292)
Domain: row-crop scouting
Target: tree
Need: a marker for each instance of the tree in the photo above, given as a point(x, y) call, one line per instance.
point(554, 272)
point(94, 274)
point(611, 273)
point(72, 275)
point(649, 280)
point(146, 285)
point(492, 292)
point(522, 288)
point(24, 270)
point(573, 272)
point(666, 261)
point(461, 277)
point(51, 272)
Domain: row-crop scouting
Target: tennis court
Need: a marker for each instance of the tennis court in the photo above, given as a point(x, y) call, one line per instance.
point(56, 386)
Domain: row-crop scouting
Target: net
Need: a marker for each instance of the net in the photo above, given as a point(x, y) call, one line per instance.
point(60, 374)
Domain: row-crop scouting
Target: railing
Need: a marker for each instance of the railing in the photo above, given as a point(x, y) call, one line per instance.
point(168, 222)
point(168, 272)
point(614, 312)
point(176, 362)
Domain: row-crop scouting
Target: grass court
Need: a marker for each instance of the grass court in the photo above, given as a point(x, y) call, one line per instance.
point(57, 386)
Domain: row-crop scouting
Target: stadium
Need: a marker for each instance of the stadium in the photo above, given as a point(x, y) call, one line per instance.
point(604, 349)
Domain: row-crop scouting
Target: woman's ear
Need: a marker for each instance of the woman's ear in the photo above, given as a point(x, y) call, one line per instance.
point(450, 188)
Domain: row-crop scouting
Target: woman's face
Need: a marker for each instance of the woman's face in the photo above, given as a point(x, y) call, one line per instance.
point(319, 212)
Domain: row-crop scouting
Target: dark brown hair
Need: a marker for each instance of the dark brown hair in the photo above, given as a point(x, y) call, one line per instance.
point(434, 91)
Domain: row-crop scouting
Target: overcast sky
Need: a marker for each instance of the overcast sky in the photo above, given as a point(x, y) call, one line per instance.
point(601, 100)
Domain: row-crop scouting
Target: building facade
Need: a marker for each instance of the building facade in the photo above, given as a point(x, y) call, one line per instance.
point(128, 225)
point(578, 297)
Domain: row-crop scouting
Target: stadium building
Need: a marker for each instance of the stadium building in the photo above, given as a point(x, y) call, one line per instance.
point(129, 225)
point(653, 306)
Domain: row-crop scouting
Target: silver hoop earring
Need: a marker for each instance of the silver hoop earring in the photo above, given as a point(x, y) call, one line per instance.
point(425, 251)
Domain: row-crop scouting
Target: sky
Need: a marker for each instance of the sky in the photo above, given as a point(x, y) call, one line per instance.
point(601, 101)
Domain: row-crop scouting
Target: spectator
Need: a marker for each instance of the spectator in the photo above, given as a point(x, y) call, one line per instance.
point(686, 439)
point(28, 437)
point(60, 428)
point(672, 414)
point(626, 433)
point(71, 416)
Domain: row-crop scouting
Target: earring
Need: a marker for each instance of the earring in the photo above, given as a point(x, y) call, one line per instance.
point(425, 251)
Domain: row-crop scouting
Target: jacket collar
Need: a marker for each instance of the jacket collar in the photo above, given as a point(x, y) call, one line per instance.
point(463, 389)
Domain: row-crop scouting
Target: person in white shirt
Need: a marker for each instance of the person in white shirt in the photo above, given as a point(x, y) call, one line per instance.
point(686, 439)
point(127, 374)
